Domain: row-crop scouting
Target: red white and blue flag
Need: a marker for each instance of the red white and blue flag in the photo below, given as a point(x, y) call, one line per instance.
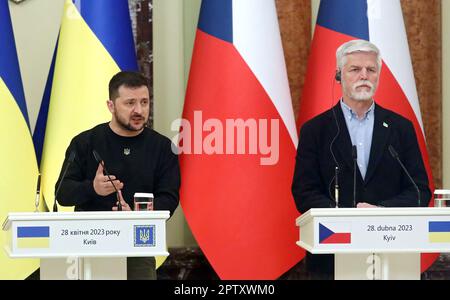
point(335, 233)
point(238, 160)
point(380, 22)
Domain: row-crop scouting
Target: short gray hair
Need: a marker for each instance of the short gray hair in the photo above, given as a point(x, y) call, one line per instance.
point(356, 46)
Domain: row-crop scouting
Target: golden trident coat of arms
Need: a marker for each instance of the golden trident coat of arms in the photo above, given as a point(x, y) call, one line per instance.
point(144, 235)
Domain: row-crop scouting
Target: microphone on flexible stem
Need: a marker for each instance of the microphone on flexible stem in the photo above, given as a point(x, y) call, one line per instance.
point(337, 77)
point(355, 157)
point(395, 155)
point(100, 161)
point(336, 186)
point(69, 161)
point(336, 166)
point(38, 193)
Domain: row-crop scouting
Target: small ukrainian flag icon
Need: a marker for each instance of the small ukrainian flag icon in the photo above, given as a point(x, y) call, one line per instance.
point(33, 237)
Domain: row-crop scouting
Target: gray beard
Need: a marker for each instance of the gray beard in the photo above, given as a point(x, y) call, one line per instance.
point(362, 96)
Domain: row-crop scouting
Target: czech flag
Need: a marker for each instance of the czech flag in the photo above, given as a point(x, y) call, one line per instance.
point(18, 171)
point(380, 22)
point(237, 142)
point(334, 233)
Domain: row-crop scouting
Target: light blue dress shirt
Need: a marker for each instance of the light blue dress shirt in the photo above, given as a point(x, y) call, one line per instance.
point(361, 131)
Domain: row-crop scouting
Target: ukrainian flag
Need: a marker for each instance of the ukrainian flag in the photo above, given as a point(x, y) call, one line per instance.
point(95, 42)
point(439, 231)
point(33, 237)
point(18, 171)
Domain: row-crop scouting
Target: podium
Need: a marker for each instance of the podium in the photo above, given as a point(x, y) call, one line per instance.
point(375, 243)
point(86, 245)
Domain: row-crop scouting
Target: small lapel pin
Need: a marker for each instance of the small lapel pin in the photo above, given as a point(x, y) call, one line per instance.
point(385, 124)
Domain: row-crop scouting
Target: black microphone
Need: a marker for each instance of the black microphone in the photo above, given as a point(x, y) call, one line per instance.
point(336, 185)
point(395, 155)
point(336, 166)
point(69, 161)
point(99, 160)
point(38, 193)
point(355, 157)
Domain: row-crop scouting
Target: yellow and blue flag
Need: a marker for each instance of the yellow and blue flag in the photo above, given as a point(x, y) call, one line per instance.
point(18, 171)
point(41, 122)
point(33, 237)
point(439, 231)
point(95, 42)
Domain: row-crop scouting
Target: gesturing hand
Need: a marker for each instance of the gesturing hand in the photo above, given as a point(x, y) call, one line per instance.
point(125, 205)
point(102, 185)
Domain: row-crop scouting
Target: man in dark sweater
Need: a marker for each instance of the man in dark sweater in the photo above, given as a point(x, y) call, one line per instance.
point(138, 159)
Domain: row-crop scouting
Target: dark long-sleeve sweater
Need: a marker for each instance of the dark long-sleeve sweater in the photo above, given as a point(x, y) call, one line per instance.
point(144, 163)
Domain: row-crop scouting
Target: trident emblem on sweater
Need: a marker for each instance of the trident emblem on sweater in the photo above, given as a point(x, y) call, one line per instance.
point(126, 151)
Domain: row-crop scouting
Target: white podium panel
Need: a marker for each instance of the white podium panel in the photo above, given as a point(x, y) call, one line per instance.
point(377, 266)
point(85, 268)
point(384, 233)
point(88, 244)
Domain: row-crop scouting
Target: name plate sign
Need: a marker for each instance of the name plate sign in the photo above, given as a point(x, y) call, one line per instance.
point(378, 230)
point(88, 234)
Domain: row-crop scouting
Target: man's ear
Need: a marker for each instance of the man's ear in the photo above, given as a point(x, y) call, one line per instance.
point(338, 75)
point(110, 105)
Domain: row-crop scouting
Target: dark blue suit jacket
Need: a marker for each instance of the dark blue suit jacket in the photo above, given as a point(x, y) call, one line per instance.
point(385, 184)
